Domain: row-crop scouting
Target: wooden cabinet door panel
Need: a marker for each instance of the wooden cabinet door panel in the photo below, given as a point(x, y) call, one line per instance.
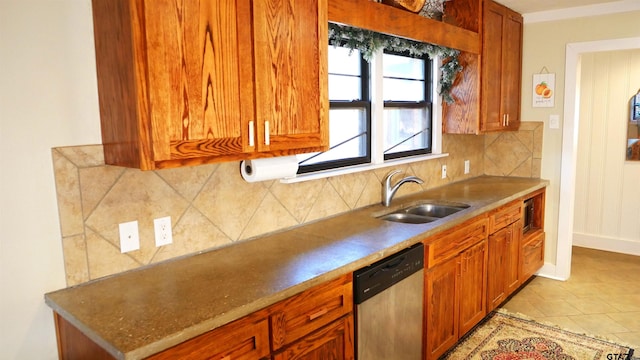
point(291, 74)
point(496, 265)
point(512, 273)
point(244, 339)
point(198, 55)
point(491, 106)
point(441, 292)
point(297, 316)
point(512, 68)
point(335, 341)
point(472, 287)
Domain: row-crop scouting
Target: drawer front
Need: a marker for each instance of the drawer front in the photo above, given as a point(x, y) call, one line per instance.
point(504, 216)
point(451, 242)
point(244, 339)
point(299, 315)
point(532, 256)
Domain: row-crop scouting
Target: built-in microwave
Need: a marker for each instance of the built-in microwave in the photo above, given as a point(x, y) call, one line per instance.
point(528, 215)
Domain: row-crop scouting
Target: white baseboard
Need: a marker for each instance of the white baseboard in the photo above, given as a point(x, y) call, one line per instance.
point(548, 270)
point(624, 246)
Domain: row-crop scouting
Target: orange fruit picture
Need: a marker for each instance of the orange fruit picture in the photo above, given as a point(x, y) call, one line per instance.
point(546, 93)
point(540, 88)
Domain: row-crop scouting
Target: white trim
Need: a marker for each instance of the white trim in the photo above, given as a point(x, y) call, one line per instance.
point(359, 168)
point(582, 11)
point(570, 142)
point(591, 241)
point(549, 271)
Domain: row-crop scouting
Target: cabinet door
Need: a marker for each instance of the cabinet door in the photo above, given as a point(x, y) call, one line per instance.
point(511, 68)
point(472, 286)
point(441, 292)
point(290, 42)
point(199, 77)
point(512, 271)
point(334, 341)
point(501, 68)
point(492, 49)
point(497, 257)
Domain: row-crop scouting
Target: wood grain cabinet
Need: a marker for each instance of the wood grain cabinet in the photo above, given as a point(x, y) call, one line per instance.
point(488, 90)
point(200, 81)
point(455, 284)
point(501, 68)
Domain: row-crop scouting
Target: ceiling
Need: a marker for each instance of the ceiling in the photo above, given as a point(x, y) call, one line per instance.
point(532, 6)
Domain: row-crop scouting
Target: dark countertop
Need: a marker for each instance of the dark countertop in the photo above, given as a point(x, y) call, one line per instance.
point(141, 312)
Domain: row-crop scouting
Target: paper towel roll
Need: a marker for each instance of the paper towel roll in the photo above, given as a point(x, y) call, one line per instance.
point(269, 168)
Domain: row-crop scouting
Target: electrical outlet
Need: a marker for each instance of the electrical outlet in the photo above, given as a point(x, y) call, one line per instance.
point(444, 171)
point(129, 238)
point(467, 167)
point(162, 229)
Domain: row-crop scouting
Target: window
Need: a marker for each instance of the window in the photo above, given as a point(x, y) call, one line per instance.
point(378, 112)
point(349, 114)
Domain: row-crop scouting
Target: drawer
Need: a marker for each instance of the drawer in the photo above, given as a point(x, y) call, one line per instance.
point(532, 255)
point(308, 311)
point(504, 216)
point(453, 241)
point(244, 339)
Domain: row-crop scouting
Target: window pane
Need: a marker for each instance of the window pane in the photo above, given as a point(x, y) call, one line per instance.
point(402, 90)
point(406, 129)
point(347, 134)
point(344, 74)
point(404, 67)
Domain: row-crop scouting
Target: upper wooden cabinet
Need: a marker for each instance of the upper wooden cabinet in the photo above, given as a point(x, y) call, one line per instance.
point(488, 91)
point(200, 81)
point(501, 68)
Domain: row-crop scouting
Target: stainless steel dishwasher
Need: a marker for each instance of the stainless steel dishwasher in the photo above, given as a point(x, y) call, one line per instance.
point(389, 305)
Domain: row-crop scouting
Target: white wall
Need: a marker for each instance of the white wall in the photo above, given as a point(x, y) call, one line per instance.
point(545, 46)
point(607, 203)
point(48, 98)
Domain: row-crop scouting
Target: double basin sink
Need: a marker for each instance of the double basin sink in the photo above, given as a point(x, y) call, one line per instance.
point(424, 212)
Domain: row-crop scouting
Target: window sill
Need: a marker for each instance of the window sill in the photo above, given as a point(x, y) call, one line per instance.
point(359, 168)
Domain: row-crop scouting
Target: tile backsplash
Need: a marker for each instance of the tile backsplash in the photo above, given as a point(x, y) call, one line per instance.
point(212, 206)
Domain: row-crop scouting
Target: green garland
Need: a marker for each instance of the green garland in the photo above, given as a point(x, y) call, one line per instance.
point(368, 42)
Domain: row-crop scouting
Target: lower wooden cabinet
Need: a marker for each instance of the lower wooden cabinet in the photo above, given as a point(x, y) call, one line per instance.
point(454, 298)
point(334, 341)
point(503, 276)
point(532, 255)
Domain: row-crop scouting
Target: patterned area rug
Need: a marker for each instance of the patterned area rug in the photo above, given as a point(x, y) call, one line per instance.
point(505, 336)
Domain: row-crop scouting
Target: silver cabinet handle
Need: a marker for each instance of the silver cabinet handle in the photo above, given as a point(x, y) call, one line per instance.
point(507, 119)
point(267, 141)
point(251, 134)
point(504, 119)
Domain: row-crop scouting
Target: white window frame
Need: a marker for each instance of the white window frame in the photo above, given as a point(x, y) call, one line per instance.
point(377, 146)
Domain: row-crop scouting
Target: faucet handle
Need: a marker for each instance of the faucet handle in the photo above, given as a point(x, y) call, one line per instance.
point(387, 178)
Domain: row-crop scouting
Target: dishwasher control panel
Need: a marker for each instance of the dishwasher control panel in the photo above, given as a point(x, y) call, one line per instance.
point(381, 275)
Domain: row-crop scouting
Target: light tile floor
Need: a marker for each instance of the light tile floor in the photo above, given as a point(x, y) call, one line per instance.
point(602, 297)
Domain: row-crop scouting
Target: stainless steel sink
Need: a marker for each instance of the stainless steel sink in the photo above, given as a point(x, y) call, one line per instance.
point(423, 213)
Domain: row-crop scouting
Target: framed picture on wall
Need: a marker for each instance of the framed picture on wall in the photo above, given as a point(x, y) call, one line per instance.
point(544, 90)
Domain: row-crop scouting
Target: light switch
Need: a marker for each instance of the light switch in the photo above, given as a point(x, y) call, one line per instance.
point(554, 121)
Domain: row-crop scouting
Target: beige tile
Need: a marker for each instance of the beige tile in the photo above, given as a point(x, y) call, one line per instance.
point(228, 201)
point(187, 181)
point(631, 339)
point(75, 259)
point(523, 307)
point(564, 322)
point(349, 187)
point(598, 324)
point(95, 183)
point(630, 320)
point(83, 156)
point(104, 258)
point(555, 308)
point(329, 204)
point(371, 193)
point(591, 305)
point(186, 240)
point(68, 194)
point(298, 198)
point(269, 216)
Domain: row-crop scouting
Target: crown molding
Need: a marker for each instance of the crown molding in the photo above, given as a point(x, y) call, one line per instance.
point(582, 11)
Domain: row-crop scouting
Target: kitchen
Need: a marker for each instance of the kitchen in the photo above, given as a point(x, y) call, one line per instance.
point(59, 62)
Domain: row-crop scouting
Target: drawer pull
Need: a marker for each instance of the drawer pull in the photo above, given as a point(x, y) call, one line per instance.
point(267, 136)
point(228, 357)
point(251, 143)
point(318, 313)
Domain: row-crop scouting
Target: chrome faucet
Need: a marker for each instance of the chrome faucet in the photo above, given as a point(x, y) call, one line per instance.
point(388, 191)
